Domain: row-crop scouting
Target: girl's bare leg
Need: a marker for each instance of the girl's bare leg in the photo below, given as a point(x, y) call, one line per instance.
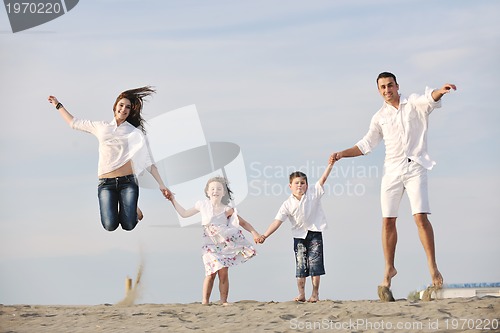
point(223, 284)
point(208, 284)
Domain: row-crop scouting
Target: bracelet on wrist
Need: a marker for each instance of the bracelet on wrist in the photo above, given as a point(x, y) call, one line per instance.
point(58, 106)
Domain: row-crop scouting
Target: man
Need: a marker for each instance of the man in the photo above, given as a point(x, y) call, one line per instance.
point(402, 123)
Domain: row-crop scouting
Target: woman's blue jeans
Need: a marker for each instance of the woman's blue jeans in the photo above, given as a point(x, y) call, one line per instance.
point(118, 202)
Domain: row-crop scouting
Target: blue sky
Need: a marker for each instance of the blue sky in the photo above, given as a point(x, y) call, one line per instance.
point(289, 82)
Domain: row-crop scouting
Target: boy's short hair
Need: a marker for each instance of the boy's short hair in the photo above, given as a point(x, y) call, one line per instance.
point(298, 174)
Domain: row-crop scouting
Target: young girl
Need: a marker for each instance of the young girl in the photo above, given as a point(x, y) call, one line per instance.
point(224, 244)
point(123, 153)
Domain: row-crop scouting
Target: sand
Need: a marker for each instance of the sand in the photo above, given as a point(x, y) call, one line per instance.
point(449, 315)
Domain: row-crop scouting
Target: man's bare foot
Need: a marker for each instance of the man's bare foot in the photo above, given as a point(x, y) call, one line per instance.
point(140, 216)
point(385, 294)
point(437, 283)
point(389, 274)
point(300, 298)
point(437, 279)
point(427, 294)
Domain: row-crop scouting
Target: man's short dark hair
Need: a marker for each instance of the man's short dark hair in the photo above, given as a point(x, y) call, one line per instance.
point(386, 75)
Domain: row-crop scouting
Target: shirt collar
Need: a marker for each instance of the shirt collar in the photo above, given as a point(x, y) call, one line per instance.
point(402, 100)
point(115, 124)
point(293, 197)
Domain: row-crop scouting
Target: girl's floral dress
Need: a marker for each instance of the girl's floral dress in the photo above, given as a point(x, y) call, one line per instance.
point(224, 244)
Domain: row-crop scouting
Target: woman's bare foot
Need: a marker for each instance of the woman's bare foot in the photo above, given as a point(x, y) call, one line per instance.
point(140, 216)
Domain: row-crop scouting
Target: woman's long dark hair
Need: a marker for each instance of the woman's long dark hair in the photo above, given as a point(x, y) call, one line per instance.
point(136, 98)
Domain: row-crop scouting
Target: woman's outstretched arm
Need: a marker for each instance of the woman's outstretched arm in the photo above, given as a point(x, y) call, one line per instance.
point(68, 117)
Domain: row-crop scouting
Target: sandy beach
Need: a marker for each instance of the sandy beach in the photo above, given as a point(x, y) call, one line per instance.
point(448, 315)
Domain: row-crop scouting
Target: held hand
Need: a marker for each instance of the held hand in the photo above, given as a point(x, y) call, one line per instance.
point(256, 238)
point(53, 100)
point(167, 193)
point(337, 156)
point(261, 239)
point(332, 159)
point(447, 88)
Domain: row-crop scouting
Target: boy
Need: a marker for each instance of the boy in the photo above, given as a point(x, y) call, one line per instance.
point(303, 209)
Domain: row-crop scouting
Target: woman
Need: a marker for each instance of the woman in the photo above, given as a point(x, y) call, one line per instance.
point(123, 153)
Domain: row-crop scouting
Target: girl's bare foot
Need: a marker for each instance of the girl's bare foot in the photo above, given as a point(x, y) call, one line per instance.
point(300, 298)
point(140, 216)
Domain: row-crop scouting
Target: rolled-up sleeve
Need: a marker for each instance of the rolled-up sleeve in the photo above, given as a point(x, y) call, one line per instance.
point(84, 125)
point(372, 138)
point(428, 94)
point(425, 103)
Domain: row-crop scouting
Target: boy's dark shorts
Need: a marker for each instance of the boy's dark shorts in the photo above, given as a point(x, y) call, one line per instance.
point(309, 255)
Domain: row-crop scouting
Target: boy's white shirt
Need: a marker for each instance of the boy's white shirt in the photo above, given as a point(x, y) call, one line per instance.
point(304, 214)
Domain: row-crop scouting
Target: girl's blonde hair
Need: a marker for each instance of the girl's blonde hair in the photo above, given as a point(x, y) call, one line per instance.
point(226, 199)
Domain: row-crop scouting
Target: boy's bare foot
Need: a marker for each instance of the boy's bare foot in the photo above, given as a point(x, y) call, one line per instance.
point(300, 298)
point(140, 216)
point(313, 299)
